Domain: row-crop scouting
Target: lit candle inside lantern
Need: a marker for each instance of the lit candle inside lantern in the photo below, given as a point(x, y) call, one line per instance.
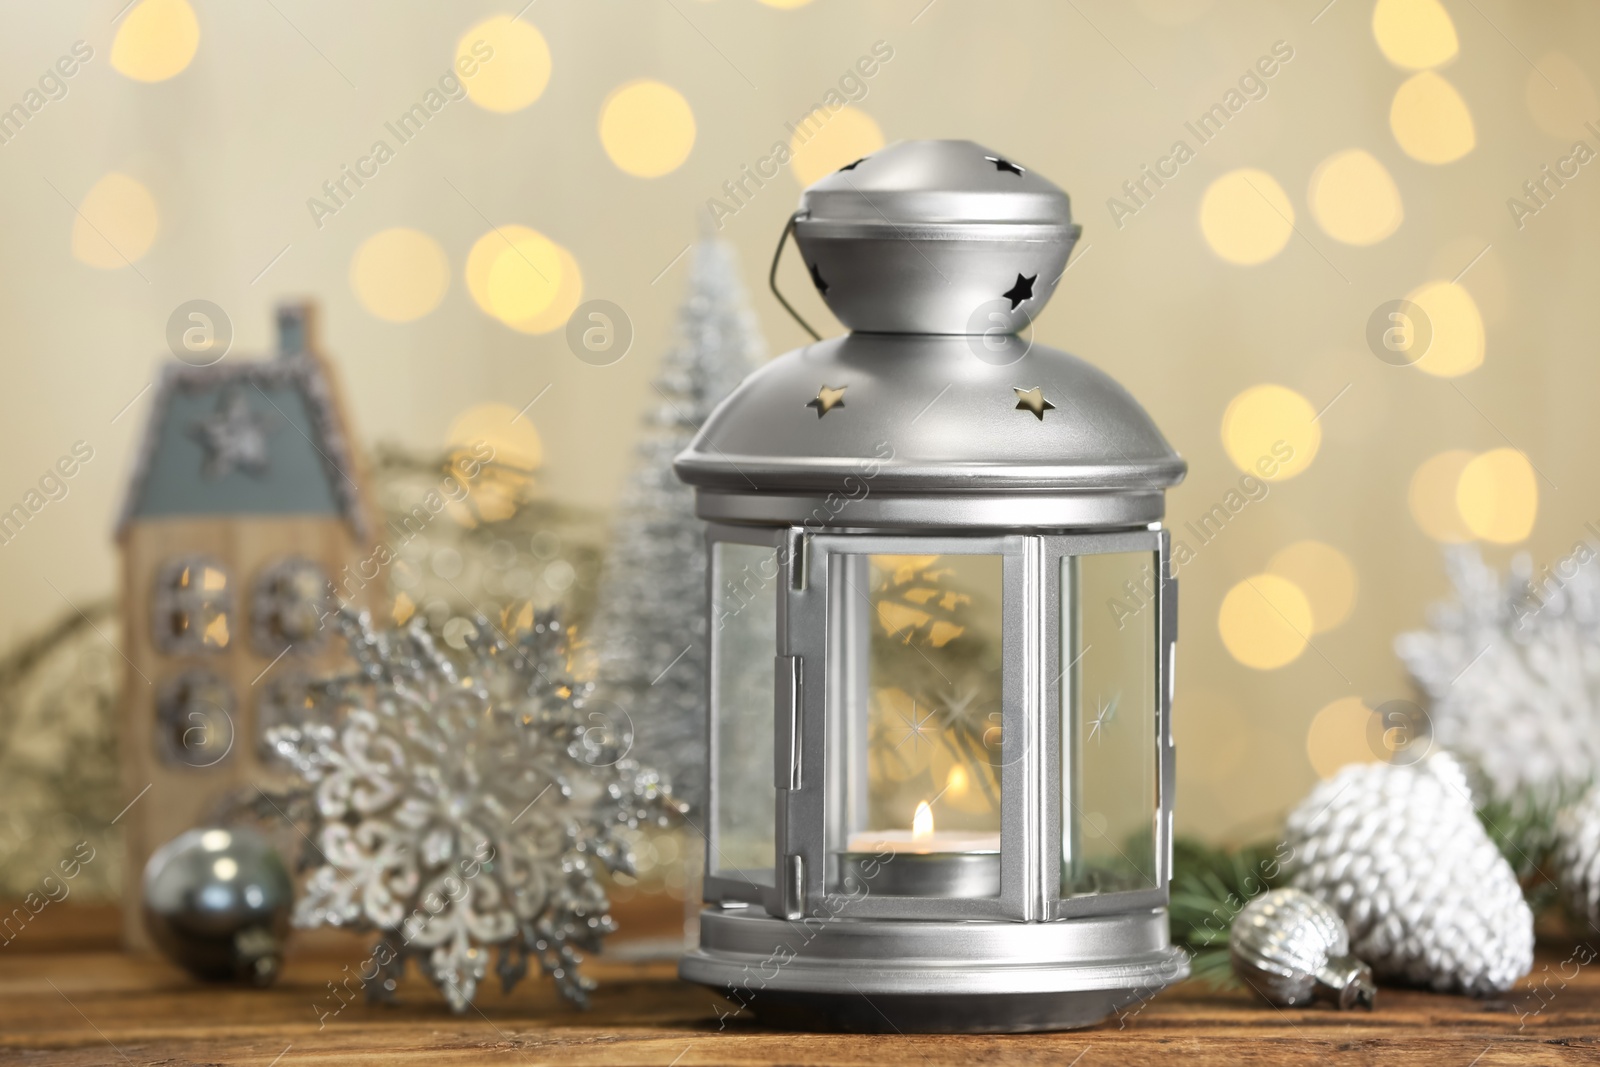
point(923, 839)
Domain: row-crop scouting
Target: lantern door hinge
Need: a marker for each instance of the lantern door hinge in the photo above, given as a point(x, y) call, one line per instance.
point(794, 888)
point(795, 545)
point(787, 703)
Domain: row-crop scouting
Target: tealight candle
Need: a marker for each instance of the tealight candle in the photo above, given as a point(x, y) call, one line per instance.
point(922, 838)
point(923, 861)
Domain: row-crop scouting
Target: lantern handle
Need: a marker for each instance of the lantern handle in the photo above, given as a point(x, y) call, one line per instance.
point(772, 279)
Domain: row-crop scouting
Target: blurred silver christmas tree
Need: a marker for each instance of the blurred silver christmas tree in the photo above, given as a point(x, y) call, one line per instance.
point(650, 624)
point(1511, 671)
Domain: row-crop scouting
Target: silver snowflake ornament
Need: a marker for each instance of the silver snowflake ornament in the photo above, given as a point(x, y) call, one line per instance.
point(466, 803)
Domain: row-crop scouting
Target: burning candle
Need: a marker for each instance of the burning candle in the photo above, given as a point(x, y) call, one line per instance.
point(924, 861)
point(923, 839)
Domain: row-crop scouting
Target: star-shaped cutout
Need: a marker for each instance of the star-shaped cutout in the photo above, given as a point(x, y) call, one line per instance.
point(816, 280)
point(1032, 400)
point(234, 437)
point(827, 399)
point(853, 166)
point(1005, 166)
point(1021, 291)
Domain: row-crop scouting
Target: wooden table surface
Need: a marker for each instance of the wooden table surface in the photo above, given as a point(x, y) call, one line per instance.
point(97, 1007)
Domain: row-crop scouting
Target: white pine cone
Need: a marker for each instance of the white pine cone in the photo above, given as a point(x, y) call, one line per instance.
point(1578, 856)
point(1511, 669)
point(1428, 899)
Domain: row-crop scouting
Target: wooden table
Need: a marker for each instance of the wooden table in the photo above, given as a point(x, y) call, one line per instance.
point(104, 1007)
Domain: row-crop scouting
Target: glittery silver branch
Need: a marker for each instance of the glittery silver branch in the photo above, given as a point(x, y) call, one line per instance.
point(650, 625)
point(1511, 670)
point(466, 801)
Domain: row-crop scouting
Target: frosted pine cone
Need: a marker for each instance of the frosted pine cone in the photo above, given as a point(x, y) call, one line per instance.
point(1511, 669)
point(1578, 857)
point(1428, 899)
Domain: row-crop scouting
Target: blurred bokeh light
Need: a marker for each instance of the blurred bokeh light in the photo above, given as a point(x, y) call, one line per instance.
point(399, 274)
point(1265, 621)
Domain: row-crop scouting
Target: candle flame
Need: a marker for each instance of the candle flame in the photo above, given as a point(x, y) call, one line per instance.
point(922, 822)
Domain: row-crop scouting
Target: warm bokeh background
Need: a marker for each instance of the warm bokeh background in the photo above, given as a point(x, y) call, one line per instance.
point(1234, 301)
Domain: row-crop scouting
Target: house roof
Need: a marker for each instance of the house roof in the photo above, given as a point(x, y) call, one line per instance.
point(247, 437)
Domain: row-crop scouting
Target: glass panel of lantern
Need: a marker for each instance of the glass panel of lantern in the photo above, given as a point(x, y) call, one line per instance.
point(919, 774)
point(1109, 715)
point(744, 641)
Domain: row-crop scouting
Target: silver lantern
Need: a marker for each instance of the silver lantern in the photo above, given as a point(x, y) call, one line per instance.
point(942, 628)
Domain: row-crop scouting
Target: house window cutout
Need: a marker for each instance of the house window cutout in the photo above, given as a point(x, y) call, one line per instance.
point(194, 720)
point(192, 606)
point(287, 607)
point(286, 701)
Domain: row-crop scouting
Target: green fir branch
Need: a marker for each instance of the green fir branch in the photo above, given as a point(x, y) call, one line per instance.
point(1523, 828)
point(1211, 884)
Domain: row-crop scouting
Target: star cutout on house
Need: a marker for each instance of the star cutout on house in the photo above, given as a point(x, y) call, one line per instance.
point(1032, 400)
point(853, 166)
point(1005, 166)
point(234, 437)
point(816, 279)
point(827, 399)
point(1021, 291)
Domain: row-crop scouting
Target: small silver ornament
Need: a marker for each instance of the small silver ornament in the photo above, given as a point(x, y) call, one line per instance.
point(1292, 949)
point(1578, 857)
point(216, 901)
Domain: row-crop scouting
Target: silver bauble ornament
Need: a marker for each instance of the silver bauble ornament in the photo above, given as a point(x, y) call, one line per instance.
point(1578, 857)
point(1399, 853)
point(216, 901)
point(1292, 949)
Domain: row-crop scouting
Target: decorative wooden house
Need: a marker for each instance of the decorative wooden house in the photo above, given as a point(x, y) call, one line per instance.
point(245, 518)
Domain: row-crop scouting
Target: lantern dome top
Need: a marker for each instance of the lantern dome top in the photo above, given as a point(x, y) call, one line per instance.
point(934, 412)
point(935, 184)
point(934, 417)
point(935, 237)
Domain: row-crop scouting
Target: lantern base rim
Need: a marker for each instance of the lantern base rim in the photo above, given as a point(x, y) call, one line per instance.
point(805, 976)
point(940, 1013)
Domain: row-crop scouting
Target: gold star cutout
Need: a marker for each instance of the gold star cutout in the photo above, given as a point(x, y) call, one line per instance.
point(1033, 400)
point(827, 399)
